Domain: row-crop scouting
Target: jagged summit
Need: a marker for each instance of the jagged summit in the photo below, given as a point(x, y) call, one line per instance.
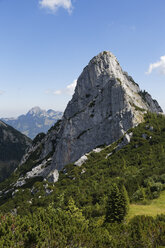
point(106, 60)
point(102, 70)
point(35, 110)
point(106, 103)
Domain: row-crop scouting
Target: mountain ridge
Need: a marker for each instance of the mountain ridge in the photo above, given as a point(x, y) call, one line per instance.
point(13, 145)
point(35, 121)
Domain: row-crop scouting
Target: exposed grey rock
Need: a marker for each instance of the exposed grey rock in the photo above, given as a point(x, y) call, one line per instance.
point(144, 136)
point(84, 158)
point(37, 171)
point(48, 191)
point(97, 150)
point(152, 104)
point(53, 176)
point(106, 103)
point(151, 129)
point(83, 171)
point(14, 211)
point(128, 137)
point(20, 182)
point(14, 192)
point(34, 190)
point(7, 191)
point(125, 141)
point(108, 155)
point(47, 144)
point(81, 160)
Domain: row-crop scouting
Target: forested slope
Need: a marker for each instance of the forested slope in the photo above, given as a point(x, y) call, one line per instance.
point(89, 204)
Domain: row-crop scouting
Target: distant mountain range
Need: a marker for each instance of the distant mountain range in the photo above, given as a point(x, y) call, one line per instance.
point(35, 121)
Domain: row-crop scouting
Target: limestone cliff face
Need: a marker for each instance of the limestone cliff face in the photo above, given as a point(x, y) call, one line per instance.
point(106, 103)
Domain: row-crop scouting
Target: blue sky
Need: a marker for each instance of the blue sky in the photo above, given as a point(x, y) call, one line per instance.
point(44, 45)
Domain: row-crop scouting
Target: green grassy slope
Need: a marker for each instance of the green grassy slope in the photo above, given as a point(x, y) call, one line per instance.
point(139, 166)
point(76, 211)
point(151, 208)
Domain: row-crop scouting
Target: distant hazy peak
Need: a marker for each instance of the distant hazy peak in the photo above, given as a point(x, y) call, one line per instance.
point(38, 111)
point(35, 110)
point(35, 121)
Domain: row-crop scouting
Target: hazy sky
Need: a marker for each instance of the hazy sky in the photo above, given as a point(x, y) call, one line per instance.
point(44, 45)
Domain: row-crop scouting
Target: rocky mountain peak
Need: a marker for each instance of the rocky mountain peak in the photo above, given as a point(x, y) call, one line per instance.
point(94, 75)
point(35, 111)
point(106, 103)
point(104, 73)
point(106, 61)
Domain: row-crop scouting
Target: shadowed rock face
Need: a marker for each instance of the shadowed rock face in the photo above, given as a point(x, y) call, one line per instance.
point(13, 145)
point(106, 103)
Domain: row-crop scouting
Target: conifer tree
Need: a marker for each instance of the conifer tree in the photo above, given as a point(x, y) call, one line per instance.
point(117, 204)
point(124, 201)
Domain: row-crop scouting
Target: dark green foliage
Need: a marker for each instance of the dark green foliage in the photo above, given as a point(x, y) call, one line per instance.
point(88, 95)
point(92, 104)
point(56, 126)
point(88, 205)
point(139, 195)
point(125, 201)
point(12, 144)
point(117, 204)
point(118, 79)
point(132, 80)
point(139, 166)
point(114, 211)
point(105, 52)
point(143, 94)
point(138, 109)
point(68, 227)
point(38, 138)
